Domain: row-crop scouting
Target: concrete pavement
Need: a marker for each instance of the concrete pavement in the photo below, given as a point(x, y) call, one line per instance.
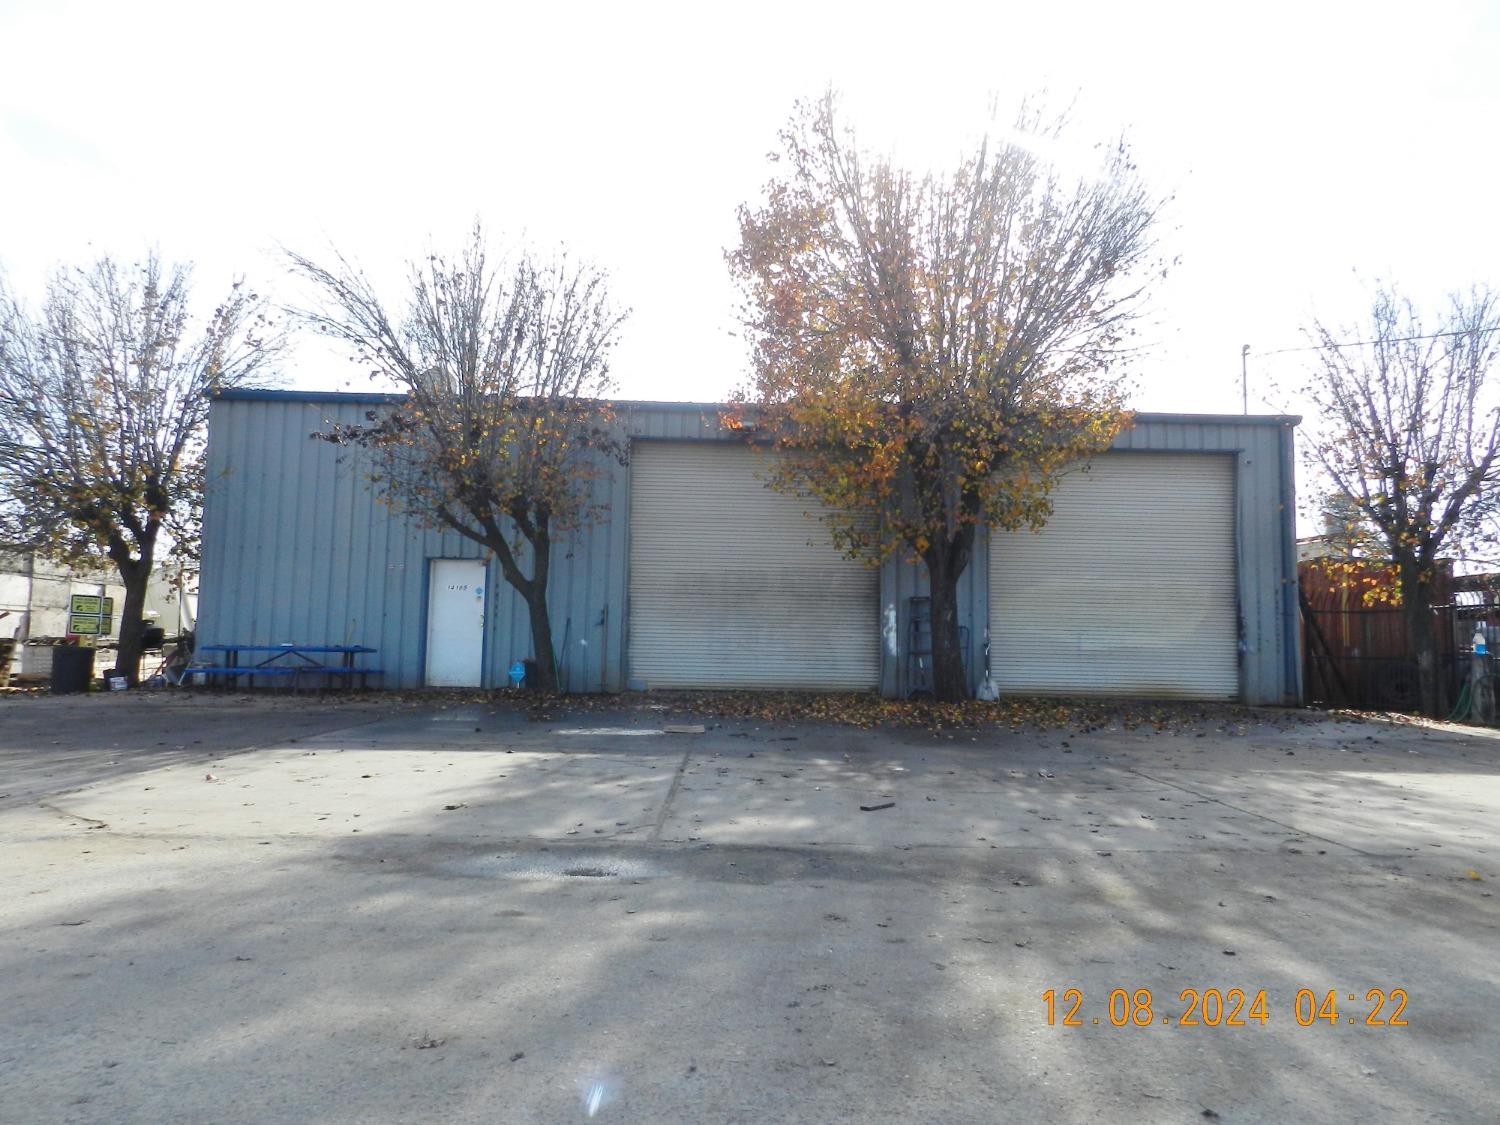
point(301, 912)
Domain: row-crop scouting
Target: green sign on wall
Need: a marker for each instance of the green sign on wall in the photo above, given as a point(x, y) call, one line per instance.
point(89, 615)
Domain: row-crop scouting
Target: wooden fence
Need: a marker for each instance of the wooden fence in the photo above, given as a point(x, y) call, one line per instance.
point(1357, 653)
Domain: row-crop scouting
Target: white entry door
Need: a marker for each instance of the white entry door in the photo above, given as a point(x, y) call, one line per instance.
point(455, 623)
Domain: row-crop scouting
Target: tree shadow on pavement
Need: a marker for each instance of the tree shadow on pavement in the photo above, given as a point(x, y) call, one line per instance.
point(421, 972)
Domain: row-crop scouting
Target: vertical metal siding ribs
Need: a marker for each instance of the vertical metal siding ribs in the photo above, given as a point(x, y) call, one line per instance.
point(295, 542)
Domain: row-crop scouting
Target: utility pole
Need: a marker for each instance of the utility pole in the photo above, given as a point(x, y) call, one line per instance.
point(1245, 377)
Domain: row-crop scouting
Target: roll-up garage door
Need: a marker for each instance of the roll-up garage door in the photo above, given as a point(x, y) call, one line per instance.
point(735, 586)
point(1130, 587)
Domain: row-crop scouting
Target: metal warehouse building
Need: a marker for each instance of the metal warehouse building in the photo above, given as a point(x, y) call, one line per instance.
point(1167, 570)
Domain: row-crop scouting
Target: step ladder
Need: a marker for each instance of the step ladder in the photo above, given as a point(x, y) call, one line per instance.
point(919, 647)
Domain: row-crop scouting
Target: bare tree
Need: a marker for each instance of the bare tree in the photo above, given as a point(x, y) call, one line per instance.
point(1409, 432)
point(932, 353)
point(502, 427)
point(104, 396)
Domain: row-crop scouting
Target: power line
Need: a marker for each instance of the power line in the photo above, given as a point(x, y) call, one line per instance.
point(1246, 351)
point(1364, 343)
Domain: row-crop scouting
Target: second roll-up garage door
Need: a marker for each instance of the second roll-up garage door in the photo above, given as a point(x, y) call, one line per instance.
point(735, 586)
point(1130, 588)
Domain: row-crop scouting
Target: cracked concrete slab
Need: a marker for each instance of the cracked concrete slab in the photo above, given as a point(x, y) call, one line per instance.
point(385, 914)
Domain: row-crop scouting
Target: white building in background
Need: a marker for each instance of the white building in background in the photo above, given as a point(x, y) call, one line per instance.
point(35, 596)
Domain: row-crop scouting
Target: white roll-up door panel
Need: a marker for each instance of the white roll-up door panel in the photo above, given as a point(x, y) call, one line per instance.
point(1129, 589)
point(735, 586)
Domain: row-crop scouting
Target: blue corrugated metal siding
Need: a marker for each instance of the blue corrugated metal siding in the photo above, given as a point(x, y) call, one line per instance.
point(296, 547)
point(903, 578)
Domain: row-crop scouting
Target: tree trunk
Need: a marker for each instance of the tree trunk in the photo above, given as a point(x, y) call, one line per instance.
point(1422, 636)
point(536, 601)
point(541, 636)
point(945, 565)
point(534, 590)
point(134, 577)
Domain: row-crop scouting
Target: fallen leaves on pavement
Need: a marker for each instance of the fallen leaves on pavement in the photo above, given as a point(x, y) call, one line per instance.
point(868, 710)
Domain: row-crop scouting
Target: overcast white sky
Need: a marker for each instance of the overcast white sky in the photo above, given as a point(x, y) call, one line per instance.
point(1304, 142)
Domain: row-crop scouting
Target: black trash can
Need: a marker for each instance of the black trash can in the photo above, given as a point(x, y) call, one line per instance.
point(72, 669)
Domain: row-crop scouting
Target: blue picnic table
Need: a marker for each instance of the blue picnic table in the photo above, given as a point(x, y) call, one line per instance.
point(288, 663)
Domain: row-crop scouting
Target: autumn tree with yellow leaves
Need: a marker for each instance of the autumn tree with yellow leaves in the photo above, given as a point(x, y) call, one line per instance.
point(104, 398)
point(1406, 428)
point(933, 352)
point(502, 426)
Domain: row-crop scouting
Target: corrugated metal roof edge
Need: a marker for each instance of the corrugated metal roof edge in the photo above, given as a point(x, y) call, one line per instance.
point(270, 394)
point(265, 394)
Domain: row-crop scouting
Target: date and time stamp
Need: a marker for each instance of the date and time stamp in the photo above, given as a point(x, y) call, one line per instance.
point(1232, 1007)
